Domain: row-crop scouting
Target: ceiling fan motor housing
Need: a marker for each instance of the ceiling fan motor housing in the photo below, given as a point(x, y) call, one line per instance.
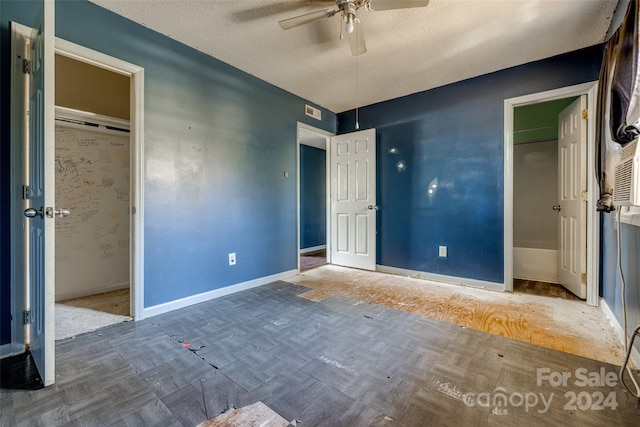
point(352, 25)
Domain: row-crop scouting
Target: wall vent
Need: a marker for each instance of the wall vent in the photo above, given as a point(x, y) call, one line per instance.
point(626, 190)
point(312, 112)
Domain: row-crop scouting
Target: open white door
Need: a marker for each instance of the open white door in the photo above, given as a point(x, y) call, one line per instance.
point(353, 199)
point(38, 161)
point(572, 207)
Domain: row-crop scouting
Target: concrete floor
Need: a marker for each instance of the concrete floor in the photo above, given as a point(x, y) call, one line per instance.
point(337, 362)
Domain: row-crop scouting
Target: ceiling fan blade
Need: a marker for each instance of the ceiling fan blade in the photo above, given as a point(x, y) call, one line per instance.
point(356, 40)
point(397, 4)
point(252, 11)
point(287, 24)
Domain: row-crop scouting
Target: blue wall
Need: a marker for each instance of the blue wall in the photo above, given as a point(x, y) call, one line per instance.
point(216, 149)
point(611, 286)
point(5, 162)
point(313, 197)
point(452, 137)
point(217, 142)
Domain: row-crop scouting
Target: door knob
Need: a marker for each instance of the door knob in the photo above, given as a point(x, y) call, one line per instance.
point(557, 208)
point(32, 213)
point(373, 207)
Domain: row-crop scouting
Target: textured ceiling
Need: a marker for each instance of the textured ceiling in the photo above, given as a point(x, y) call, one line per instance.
point(409, 50)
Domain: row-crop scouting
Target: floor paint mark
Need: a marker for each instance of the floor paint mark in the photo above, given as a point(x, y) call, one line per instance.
point(449, 390)
point(279, 322)
point(187, 345)
point(337, 364)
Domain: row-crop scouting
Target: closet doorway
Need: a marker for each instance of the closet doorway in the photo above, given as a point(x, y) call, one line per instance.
point(535, 196)
point(313, 197)
point(93, 181)
point(580, 115)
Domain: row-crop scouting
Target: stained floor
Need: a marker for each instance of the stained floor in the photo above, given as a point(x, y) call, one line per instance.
point(570, 326)
point(338, 362)
point(19, 372)
point(543, 289)
point(114, 302)
point(312, 260)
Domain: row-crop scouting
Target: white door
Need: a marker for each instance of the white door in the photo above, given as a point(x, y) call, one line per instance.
point(39, 164)
point(353, 199)
point(572, 207)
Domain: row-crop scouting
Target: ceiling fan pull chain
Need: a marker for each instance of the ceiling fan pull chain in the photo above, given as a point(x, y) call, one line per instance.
point(357, 118)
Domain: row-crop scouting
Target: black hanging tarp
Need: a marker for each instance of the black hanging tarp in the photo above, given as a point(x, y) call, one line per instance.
point(618, 98)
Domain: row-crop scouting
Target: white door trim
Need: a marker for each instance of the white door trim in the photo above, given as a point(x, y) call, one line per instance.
point(593, 225)
point(19, 333)
point(327, 147)
point(136, 74)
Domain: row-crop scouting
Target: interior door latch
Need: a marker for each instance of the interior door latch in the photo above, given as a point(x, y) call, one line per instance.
point(63, 213)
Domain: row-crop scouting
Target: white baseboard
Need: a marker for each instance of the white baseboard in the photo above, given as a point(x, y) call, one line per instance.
point(216, 293)
point(452, 280)
point(635, 354)
point(313, 249)
point(10, 349)
point(90, 291)
point(540, 265)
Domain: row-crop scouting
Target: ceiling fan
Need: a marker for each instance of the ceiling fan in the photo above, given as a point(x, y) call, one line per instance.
point(351, 24)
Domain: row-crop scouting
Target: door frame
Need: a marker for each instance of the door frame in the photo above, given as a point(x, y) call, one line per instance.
point(136, 120)
point(327, 137)
point(136, 75)
point(590, 89)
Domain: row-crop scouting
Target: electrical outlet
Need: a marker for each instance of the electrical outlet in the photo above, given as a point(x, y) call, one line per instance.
point(442, 251)
point(232, 258)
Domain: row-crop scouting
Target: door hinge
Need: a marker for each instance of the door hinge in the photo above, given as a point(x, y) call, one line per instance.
point(585, 114)
point(26, 66)
point(25, 192)
point(26, 317)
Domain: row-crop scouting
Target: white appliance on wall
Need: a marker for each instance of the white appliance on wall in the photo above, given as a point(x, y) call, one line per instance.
point(626, 190)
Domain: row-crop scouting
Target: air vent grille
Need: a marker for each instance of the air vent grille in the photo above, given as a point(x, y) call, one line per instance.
point(312, 112)
point(624, 176)
point(628, 151)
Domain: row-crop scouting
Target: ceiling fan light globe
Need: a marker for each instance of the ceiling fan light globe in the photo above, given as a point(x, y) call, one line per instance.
point(349, 26)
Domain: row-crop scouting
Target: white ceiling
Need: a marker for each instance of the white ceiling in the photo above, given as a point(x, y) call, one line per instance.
point(409, 50)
